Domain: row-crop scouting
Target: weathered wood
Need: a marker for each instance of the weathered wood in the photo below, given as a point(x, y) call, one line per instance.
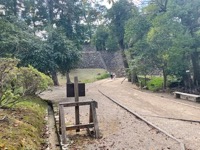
point(93, 122)
point(194, 97)
point(76, 89)
point(70, 104)
point(77, 119)
point(59, 121)
point(94, 116)
point(90, 115)
point(80, 126)
point(63, 127)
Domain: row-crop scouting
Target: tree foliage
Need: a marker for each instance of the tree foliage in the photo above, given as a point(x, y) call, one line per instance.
point(164, 35)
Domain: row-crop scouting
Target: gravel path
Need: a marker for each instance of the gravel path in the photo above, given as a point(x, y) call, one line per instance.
point(121, 130)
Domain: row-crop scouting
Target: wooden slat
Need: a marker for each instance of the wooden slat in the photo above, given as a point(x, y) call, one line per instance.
point(80, 126)
point(77, 119)
point(63, 127)
point(96, 126)
point(76, 89)
point(71, 104)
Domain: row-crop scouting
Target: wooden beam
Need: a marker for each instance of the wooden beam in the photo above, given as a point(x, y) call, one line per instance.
point(80, 126)
point(71, 104)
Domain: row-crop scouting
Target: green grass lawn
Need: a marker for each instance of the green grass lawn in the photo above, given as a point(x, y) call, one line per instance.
point(85, 75)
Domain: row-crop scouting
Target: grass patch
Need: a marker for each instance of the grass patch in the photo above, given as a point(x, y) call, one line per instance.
point(155, 84)
point(85, 75)
point(26, 126)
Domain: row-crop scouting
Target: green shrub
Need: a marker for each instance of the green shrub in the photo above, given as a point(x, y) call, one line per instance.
point(103, 76)
point(33, 81)
point(155, 84)
point(16, 82)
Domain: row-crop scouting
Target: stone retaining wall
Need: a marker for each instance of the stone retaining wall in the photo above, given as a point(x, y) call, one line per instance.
point(111, 61)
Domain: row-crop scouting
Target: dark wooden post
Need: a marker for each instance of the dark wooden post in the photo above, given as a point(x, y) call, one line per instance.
point(77, 119)
point(90, 114)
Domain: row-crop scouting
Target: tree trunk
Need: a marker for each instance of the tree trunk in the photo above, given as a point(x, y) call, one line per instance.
point(68, 78)
point(134, 78)
point(124, 59)
point(55, 78)
point(196, 68)
point(164, 79)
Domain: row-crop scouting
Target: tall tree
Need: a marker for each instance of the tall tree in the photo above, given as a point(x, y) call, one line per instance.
point(119, 13)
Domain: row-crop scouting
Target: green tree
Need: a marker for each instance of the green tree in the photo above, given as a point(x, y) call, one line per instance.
point(119, 13)
point(187, 12)
point(100, 38)
point(64, 52)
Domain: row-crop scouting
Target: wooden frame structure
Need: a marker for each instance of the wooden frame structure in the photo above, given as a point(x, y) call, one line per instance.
point(93, 122)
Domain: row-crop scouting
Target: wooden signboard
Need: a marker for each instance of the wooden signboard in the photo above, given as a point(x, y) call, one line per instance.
point(70, 90)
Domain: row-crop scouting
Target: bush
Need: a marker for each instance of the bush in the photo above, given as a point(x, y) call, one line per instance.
point(32, 81)
point(103, 76)
point(155, 84)
point(16, 82)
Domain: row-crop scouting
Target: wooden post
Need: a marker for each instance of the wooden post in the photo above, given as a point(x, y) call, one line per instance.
point(63, 127)
point(59, 124)
point(90, 114)
point(77, 119)
point(94, 116)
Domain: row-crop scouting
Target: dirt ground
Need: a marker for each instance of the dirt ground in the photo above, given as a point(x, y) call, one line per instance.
point(120, 129)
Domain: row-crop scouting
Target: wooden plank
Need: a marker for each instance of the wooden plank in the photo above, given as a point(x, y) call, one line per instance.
point(96, 126)
point(70, 104)
point(63, 127)
point(77, 119)
point(80, 126)
point(76, 89)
